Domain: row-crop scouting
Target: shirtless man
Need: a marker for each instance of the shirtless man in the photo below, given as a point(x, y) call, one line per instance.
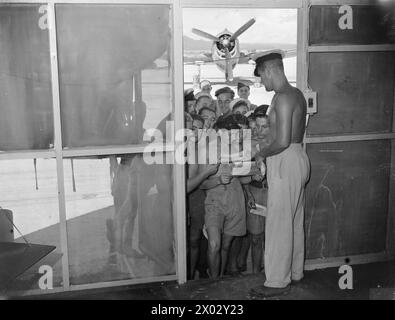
point(288, 170)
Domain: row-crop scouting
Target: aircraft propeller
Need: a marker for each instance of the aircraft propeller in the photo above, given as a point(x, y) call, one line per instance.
point(242, 29)
point(226, 42)
point(205, 35)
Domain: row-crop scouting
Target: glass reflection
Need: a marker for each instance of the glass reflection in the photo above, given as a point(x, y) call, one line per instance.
point(120, 220)
point(25, 79)
point(115, 73)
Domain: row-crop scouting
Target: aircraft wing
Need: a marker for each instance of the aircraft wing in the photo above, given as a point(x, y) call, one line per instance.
point(192, 57)
point(246, 57)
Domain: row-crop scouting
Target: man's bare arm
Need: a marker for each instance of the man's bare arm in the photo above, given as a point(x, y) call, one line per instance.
point(283, 129)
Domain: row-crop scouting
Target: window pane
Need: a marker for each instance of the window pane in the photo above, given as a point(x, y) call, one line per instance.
point(25, 86)
point(33, 199)
point(370, 25)
point(115, 72)
point(119, 219)
point(355, 92)
point(347, 198)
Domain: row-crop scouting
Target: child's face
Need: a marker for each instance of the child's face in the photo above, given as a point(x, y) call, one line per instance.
point(191, 106)
point(224, 100)
point(262, 127)
point(203, 102)
point(262, 122)
point(241, 110)
point(196, 124)
point(244, 92)
point(207, 89)
point(252, 125)
point(209, 118)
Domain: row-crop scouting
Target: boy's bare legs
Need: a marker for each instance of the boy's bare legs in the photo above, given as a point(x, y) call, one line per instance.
point(226, 243)
point(213, 252)
point(234, 254)
point(195, 239)
point(256, 251)
point(242, 257)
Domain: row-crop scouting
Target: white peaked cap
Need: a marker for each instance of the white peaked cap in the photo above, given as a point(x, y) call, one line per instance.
point(266, 53)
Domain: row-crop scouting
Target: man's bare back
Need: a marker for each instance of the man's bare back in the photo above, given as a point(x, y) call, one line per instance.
point(295, 101)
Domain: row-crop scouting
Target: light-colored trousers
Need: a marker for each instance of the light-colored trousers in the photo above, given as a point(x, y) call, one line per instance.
point(287, 174)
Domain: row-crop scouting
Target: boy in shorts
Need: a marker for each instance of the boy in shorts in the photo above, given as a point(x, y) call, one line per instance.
point(224, 211)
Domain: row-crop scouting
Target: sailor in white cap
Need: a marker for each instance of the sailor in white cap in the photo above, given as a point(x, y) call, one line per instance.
point(205, 86)
point(288, 170)
point(267, 54)
point(203, 100)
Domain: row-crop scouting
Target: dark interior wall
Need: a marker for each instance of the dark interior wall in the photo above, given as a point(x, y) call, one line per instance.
point(349, 192)
point(371, 25)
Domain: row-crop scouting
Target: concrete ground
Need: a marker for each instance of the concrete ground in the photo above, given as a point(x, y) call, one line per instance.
point(370, 281)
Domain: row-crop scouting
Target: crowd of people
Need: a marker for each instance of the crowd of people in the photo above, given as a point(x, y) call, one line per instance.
point(222, 225)
point(224, 206)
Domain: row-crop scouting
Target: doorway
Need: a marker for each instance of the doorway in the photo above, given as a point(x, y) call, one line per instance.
point(218, 43)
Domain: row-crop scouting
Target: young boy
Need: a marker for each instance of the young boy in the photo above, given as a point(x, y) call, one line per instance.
point(239, 106)
point(196, 198)
point(225, 210)
point(203, 100)
point(255, 192)
point(243, 91)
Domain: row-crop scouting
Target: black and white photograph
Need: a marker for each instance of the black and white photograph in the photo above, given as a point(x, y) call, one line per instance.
point(204, 156)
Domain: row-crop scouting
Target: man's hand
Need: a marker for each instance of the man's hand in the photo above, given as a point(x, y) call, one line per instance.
point(258, 177)
point(225, 177)
point(250, 200)
point(259, 160)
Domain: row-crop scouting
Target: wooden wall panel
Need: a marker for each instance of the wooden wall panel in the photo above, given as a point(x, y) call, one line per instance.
point(371, 25)
point(347, 198)
point(355, 92)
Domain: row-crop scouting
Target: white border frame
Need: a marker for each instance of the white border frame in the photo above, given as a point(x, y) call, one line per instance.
point(303, 51)
point(58, 144)
point(179, 170)
point(266, 4)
